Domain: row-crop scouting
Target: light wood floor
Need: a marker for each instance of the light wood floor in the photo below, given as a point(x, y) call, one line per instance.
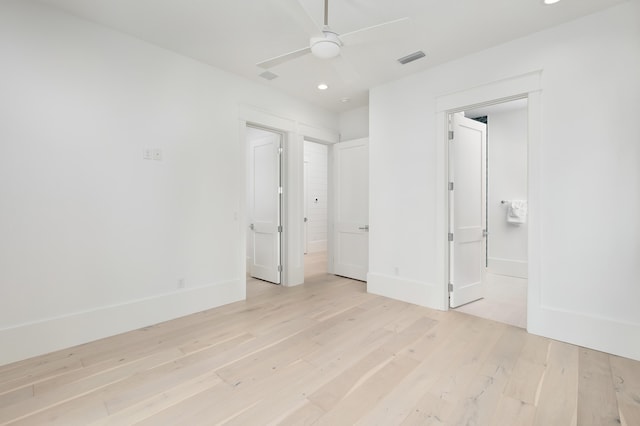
point(323, 353)
point(315, 264)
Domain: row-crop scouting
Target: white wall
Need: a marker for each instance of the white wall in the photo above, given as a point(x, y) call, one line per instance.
point(588, 178)
point(354, 124)
point(316, 197)
point(507, 180)
point(93, 238)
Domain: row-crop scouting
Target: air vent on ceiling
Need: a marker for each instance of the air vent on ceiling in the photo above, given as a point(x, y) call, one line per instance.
point(268, 75)
point(411, 57)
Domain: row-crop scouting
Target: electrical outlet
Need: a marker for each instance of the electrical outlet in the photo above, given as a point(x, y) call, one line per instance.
point(157, 154)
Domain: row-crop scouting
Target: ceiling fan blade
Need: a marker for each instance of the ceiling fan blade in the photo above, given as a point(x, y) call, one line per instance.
point(300, 15)
point(269, 63)
point(380, 32)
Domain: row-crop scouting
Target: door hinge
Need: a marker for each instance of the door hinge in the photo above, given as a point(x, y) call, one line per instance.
point(280, 190)
point(450, 288)
point(450, 236)
point(279, 228)
point(279, 268)
point(450, 186)
point(451, 135)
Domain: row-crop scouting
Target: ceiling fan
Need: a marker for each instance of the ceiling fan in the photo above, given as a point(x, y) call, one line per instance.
point(329, 44)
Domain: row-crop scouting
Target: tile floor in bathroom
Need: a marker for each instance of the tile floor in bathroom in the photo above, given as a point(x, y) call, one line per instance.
point(505, 301)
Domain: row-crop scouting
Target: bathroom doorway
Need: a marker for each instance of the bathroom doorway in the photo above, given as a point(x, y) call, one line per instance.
point(505, 259)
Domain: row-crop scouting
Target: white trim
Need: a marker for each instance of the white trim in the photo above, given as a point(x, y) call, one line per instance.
point(534, 230)
point(265, 119)
point(294, 133)
point(603, 334)
point(513, 87)
point(293, 209)
point(62, 332)
point(526, 85)
point(313, 134)
point(509, 267)
point(406, 290)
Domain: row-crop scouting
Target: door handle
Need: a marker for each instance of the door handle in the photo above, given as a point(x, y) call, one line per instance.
point(364, 228)
point(305, 219)
point(251, 226)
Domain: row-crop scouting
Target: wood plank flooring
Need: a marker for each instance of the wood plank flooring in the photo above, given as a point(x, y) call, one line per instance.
point(325, 353)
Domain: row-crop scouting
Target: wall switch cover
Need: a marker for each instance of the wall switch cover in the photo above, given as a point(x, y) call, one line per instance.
point(147, 153)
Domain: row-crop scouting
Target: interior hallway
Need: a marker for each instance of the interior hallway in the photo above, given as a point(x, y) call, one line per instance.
point(315, 264)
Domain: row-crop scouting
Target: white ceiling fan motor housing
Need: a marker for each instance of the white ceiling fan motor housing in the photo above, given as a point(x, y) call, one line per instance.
point(327, 46)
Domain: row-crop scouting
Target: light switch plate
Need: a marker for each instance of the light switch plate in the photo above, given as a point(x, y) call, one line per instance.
point(147, 153)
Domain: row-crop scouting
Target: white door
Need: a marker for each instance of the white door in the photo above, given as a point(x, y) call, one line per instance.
point(467, 218)
point(264, 205)
point(351, 218)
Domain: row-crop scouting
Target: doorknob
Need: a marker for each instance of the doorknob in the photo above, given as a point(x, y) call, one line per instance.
point(305, 219)
point(251, 226)
point(364, 228)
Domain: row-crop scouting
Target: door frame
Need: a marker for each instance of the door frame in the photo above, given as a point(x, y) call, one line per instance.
point(523, 86)
point(305, 173)
point(294, 133)
point(330, 201)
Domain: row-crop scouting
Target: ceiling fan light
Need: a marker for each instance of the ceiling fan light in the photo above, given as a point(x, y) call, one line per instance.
point(325, 49)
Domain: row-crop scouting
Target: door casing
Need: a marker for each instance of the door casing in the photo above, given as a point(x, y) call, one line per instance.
point(294, 133)
point(517, 87)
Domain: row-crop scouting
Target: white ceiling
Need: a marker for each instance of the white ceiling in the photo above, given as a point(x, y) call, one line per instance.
point(234, 35)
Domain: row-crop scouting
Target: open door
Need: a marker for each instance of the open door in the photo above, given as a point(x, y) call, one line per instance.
point(467, 210)
point(264, 204)
point(351, 218)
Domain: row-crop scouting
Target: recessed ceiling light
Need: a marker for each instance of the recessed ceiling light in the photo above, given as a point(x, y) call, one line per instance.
point(551, 1)
point(323, 86)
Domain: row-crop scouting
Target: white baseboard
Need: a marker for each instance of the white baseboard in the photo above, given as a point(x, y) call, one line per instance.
point(599, 333)
point(52, 334)
point(511, 268)
point(416, 292)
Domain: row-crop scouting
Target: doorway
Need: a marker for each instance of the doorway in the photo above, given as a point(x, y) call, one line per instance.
point(316, 208)
point(502, 295)
point(264, 204)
